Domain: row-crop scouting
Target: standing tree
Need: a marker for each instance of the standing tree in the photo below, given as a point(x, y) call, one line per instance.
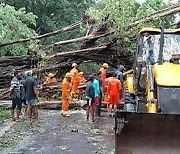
point(14, 24)
point(53, 15)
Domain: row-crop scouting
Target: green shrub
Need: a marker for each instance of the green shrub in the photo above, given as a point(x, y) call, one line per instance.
point(4, 114)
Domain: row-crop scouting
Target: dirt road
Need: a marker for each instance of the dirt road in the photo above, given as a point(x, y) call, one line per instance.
point(58, 135)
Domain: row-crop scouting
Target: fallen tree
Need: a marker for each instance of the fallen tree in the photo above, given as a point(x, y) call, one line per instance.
point(90, 49)
point(86, 19)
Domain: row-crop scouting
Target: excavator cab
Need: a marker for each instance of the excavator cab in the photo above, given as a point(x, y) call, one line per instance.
point(150, 120)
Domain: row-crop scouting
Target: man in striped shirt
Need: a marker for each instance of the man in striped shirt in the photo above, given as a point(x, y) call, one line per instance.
point(15, 93)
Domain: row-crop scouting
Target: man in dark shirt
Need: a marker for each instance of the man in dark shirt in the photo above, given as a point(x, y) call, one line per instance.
point(30, 87)
point(90, 98)
point(23, 98)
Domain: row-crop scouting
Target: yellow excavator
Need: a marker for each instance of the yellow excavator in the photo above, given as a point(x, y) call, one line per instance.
point(150, 120)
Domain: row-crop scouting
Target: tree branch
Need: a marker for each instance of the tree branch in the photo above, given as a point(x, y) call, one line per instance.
point(161, 13)
point(70, 27)
point(63, 54)
point(82, 39)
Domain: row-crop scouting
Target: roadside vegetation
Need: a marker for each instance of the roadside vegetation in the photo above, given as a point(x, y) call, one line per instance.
point(4, 115)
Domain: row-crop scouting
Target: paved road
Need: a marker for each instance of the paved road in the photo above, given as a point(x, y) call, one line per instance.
point(58, 135)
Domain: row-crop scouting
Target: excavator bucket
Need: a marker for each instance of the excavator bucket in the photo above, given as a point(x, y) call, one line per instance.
point(145, 133)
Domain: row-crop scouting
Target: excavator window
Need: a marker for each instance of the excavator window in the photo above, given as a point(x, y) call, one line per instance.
point(151, 43)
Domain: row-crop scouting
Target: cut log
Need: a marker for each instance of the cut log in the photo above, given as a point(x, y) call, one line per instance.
point(45, 104)
point(15, 60)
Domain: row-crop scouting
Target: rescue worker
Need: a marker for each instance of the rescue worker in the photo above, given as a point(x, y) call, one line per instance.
point(49, 81)
point(75, 77)
point(66, 94)
point(106, 96)
point(103, 71)
point(106, 99)
point(114, 91)
point(81, 79)
point(81, 82)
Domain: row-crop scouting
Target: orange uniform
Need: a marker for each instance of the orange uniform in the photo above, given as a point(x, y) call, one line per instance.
point(103, 78)
point(114, 90)
point(75, 79)
point(51, 80)
point(82, 81)
point(49, 93)
point(66, 94)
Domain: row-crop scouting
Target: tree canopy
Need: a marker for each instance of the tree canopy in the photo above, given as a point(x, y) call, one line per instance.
point(26, 18)
point(53, 15)
point(14, 24)
point(121, 13)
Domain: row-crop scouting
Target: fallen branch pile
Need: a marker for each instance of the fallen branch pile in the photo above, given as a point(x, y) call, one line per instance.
point(93, 47)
